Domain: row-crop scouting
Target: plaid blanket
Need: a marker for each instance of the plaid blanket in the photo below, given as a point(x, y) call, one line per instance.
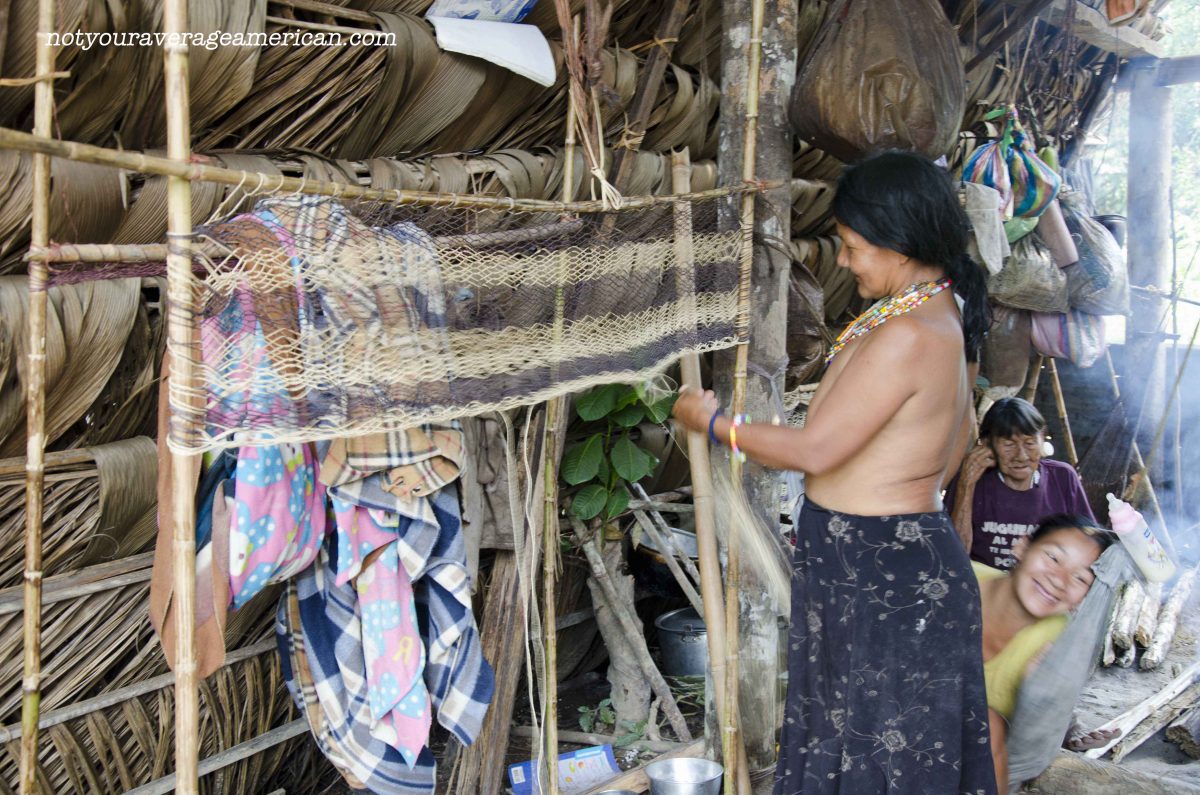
point(321, 642)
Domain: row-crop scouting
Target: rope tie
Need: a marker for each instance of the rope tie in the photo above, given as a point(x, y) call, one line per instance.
point(630, 140)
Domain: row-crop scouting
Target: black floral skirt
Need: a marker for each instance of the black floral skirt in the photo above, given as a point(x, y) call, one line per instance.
point(885, 687)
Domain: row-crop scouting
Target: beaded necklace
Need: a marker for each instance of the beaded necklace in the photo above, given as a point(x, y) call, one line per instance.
point(884, 310)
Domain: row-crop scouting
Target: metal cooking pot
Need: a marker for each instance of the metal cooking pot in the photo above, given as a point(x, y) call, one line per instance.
point(684, 777)
point(684, 642)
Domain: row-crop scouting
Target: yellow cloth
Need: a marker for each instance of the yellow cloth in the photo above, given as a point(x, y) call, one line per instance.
point(1004, 673)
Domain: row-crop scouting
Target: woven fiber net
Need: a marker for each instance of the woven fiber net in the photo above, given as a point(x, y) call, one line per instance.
point(316, 319)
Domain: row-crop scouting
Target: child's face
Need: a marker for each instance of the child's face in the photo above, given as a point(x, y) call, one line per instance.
point(1055, 572)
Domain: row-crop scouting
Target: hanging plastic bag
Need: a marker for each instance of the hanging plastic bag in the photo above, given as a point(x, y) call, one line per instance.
point(1034, 183)
point(1030, 280)
point(1075, 336)
point(1099, 282)
point(883, 74)
point(1006, 352)
point(1010, 165)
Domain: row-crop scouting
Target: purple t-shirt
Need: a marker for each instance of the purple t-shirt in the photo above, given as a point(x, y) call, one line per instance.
point(1000, 515)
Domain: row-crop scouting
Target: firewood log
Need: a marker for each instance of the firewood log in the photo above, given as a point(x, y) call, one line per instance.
point(1148, 620)
point(1156, 720)
point(1109, 655)
point(1168, 620)
point(1127, 614)
point(1130, 718)
point(1185, 732)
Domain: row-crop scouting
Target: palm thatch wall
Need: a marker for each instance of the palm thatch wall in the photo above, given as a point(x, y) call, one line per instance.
point(409, 116)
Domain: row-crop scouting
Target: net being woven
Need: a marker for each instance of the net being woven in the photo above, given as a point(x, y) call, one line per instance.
point(318, 320)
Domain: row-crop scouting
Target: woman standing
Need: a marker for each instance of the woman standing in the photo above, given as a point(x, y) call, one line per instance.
point(885, 690)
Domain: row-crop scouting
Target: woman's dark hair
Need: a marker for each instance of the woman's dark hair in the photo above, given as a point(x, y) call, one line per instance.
point(1009, 417)
point(1074, 521)
point(904, 202)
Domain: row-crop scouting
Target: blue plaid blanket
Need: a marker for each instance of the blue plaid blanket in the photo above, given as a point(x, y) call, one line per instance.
point(320, 641)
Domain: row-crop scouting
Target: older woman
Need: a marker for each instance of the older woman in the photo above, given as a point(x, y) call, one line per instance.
point(885, 689)
point(1005, 485)
point(1025, 610)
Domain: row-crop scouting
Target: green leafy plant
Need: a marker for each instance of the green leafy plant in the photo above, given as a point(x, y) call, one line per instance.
point(606, 460)
point(594, 718)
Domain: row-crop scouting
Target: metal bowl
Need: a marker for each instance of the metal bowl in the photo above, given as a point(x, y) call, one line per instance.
point(684, 777)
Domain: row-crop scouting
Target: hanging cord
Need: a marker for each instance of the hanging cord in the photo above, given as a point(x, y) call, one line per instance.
point(527, 577)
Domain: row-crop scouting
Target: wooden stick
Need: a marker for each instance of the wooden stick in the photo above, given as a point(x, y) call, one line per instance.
point(1128, 610)
point(481, 766)
point(587, 738)
point(1148, 619)
point(179, 336)
point(229, 756)
point(35, 410)
point(733, 779)
point(90, 705)
point(649, 82)
point(1168, 621)
point(1162, 423)
point(1136, 714)
point(702, 499)
point(635, 780)
point(1032, 376)
point(1061, 405)
point(157, 252)
point(667, 532)
point(1155, 508)
point(556, 411)
point(632, 634)
point(668, 555)
point(275, 183)
point(1185, 732)
point(1022, 17)
point(1157, 720)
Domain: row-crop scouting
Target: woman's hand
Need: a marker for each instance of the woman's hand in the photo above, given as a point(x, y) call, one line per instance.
point(694, 409)
point(979, 460)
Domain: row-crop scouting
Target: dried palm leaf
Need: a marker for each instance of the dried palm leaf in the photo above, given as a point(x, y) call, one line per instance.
point(99, 502)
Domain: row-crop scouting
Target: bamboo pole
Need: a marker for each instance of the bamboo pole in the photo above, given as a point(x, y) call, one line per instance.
point(35, 409)
point(702, 498)
point(1061, 404)
point(733, 778)
point(274, 183)
point(555, 410)
point(179, 337)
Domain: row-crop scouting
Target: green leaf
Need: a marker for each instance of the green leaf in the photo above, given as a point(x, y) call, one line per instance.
point(589, 502)
point(628, 460)
point(629, 416)
point(582, 462)
point(651, 462)
point(626, 396)
point(606, 712)
point(660, 410)
point(587, 718)
point(618, 501)
point(596, 404)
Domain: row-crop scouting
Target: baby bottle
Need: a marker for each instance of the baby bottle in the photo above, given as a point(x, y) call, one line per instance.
point(1139, 541)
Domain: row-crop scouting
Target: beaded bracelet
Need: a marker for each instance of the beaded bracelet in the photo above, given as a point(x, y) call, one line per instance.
point(738, 420)
point(712, 436)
